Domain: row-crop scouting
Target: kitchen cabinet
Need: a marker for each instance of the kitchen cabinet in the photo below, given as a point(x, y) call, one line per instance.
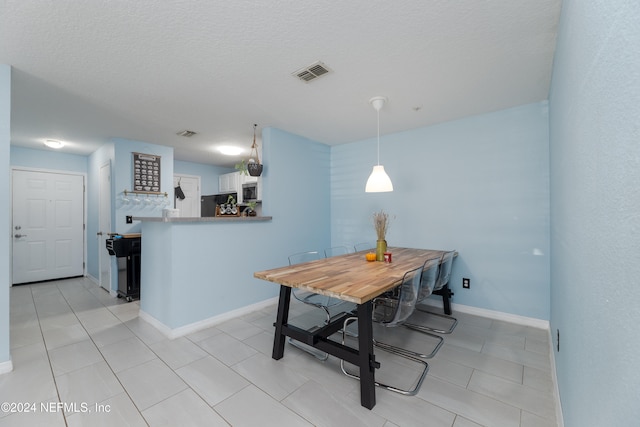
point(232, 182)
point(229, 183)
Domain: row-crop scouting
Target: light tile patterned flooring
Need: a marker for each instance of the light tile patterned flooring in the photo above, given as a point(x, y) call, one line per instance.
point(73, 343)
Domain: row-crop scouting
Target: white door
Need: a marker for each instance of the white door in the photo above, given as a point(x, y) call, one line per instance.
point(104, 224)
point(48, 226)
point(190, 186)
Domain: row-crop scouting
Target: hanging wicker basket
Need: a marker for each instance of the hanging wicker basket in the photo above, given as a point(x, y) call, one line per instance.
point(254, 168)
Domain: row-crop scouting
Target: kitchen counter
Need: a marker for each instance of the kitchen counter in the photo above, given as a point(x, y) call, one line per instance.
point(202, 219)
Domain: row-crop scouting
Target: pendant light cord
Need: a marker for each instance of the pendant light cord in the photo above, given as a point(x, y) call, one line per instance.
point(378, 110)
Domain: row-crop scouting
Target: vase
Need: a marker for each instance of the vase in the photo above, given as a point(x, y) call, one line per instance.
point(381, 248)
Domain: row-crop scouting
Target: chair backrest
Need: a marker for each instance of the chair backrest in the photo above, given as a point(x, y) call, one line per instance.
point(429, 278)
point(405, 302)
point(336, 250)
point(364, 246)
point(445, 270)
point(301, 257)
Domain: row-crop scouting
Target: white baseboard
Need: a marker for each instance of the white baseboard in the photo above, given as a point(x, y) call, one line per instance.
point(206, 323)
point(6, 367)
point(492, 314)
point(93, 279)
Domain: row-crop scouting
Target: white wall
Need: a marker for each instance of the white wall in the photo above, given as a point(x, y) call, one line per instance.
point(595, 211)
point(479, 185)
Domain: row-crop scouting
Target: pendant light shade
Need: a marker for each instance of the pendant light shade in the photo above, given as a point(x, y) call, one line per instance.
point(378, 181)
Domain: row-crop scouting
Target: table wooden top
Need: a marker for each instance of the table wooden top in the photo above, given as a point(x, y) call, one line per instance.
point(350, 277)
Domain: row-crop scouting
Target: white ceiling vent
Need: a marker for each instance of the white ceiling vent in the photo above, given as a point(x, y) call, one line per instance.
point(186, 133)
point(312, 71)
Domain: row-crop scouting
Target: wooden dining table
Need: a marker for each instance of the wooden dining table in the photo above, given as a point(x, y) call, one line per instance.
point(350, 278)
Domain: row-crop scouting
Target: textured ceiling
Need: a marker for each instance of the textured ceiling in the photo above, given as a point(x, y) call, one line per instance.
point(85, 71)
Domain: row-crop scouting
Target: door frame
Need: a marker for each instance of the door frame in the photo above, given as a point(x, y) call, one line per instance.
point(84, 210)
point(109, 189)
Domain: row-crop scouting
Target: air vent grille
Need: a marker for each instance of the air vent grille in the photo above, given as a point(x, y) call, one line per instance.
point(312, 71)
point(186, 133)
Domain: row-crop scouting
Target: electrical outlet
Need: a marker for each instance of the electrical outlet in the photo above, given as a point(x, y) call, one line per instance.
point(558, 340)
point(129, 219)
point(466, 283)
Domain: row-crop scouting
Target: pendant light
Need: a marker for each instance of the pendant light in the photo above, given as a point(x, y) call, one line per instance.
point(378, 181)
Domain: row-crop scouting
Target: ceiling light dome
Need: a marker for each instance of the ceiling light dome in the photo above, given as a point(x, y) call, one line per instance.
point(230, 150)
point(52, 143)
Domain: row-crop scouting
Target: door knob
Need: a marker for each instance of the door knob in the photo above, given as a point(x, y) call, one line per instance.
point(99, 233)
point(17, 227)
point(17, 236)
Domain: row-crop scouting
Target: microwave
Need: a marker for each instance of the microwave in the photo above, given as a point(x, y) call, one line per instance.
point(249, 191)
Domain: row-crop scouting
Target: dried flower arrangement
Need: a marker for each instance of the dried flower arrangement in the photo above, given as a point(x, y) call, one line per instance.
point(381, 223)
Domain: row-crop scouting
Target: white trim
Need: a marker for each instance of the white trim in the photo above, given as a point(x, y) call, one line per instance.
point(492, 314)
point(206, 323)
point(93, 279)
point(6, 367)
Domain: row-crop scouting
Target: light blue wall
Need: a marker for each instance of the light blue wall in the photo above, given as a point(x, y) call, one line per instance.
point(205, 270)
point(48, 159)
point(595, 211)
point(479, 185)
point(5, 220)
point(295, 191)
point(208, 174)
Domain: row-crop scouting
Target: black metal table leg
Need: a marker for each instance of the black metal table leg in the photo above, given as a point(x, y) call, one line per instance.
point(366, 357)
point(281, 320)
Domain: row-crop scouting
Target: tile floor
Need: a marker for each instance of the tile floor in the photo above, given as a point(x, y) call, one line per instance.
point(74, 344)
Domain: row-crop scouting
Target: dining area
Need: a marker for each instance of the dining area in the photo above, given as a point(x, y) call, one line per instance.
point(354, 291)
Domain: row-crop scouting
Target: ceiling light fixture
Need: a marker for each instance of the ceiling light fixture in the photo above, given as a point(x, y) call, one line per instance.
point(229, 150)
point(378, 181)
point(52, 143)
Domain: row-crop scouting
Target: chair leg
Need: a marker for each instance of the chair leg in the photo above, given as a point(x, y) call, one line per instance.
point(411, 392)
point(439, 331)
point(410, 353)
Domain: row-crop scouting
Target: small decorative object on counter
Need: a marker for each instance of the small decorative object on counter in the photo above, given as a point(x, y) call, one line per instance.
point(387, 257)
point(381, 224)
point(228, 209)
point(370, 256)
